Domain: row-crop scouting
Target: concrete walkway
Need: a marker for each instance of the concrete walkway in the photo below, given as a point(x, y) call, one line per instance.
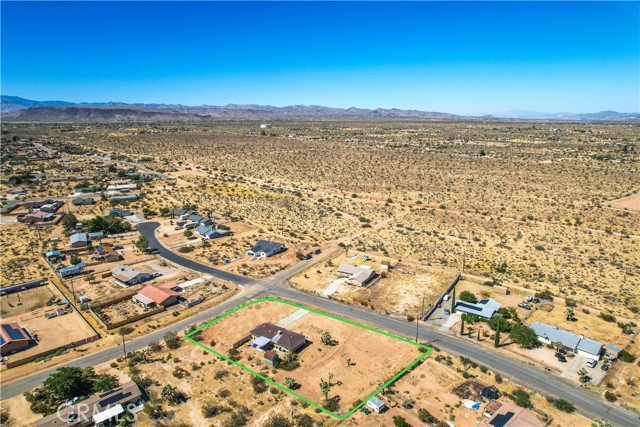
point(333, 287)
point(293, 317)
point(452, 320)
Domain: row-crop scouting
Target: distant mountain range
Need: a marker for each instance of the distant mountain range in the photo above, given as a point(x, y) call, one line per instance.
point(19, 109)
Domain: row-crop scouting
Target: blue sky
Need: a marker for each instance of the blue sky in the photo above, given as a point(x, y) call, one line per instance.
point(454, 57)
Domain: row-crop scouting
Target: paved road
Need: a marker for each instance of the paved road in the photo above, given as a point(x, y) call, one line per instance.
point(585, 401)
point(148, 230)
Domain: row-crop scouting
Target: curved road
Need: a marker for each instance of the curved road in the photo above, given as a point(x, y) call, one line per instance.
point(586, 402)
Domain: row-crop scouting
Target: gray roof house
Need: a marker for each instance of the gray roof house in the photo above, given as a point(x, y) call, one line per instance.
point(575, 343)
point(485, 308)
point(359, 276)
point(79, 240)
point(127, 276)
point(265, 249)
point(267, 335)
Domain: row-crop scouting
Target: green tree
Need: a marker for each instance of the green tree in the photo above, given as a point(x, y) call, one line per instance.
point(105, 382)
point(468, 296)
point(570, 315)
point(172, 395)
point(325, 388)
point(584, 376)
point(426, 417)
point(522, 398)
point(188, 233)
point(326, 338)
point(399, 421)
point(142, 243)
point(462, 319)
point(601, 422)
point(69, 221)
point(304, 420)
point(557, 345)
point(290, 382)
point(74, 260)
point(524, 336)
point(496, 340)
point(172, 340)
point(277, 420)
point(453, 301)
point(67, 383)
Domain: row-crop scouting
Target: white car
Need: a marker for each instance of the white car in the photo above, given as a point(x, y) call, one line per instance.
point(592, 363)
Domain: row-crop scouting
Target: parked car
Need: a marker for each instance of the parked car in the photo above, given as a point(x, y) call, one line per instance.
point(446, 297)
point(604, 367)
point(154, 250)
point(447, 311)
point(535, 301)
point(307, 256)
point(592, 363)
point(317, 252)
point(525, 306)
point(177, 227)
point(560, 357)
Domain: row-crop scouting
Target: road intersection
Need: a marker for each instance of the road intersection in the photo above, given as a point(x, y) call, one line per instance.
point(585, 401)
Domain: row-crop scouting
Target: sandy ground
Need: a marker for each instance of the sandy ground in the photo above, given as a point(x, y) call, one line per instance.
point(631, 202)
point(26, 301)
point(52, 333)
point(374, 357)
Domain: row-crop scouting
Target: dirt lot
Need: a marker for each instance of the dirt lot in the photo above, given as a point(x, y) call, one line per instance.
point(631, 202)
point(26, 301)
point(397, 292)
point(52, 333)
point(374, 357)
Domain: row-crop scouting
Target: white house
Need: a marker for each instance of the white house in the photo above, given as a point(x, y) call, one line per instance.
point(265, 249)
point(485, 308)
point(358, 276)
point(576, 344)
point(376, 404)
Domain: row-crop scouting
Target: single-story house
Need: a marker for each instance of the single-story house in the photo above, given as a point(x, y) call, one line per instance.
point(13, 337)
point(150, 295)
point(38, 216)
point(358, 276)
point(72, 270)
point(96, 235)
point(79, 240)
point(485, 308)
point(36, 204)
point(209, 233)
point(508, 415)
point(180, 212)
point(51, 207)
point(120, 212)
point(98, 409)
point(80, 201)
point(128, 276)
point(195, 218)
point(53, 255)
point(265, 249)
point(120, 187)
point(267, 336)
point(271, 357)
point(124, 197)
point(577, 344)
point(206, 221)
point(376, 404)
point(105, 254)
point(612, 351)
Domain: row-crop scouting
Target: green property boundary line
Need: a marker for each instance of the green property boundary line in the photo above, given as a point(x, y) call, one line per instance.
point(332, 316)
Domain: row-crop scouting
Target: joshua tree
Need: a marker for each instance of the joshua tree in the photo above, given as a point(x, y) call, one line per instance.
point(289, 382)
point(570, 314)
point(326, 338)
point(325, 388)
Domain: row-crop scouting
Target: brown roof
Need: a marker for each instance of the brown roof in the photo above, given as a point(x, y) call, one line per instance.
point(280, 336)
point(157, 294)
point(513, 416)
point(12, 332)
point(270, 355)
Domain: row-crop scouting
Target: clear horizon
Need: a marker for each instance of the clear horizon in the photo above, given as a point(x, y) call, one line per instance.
point(460, 58)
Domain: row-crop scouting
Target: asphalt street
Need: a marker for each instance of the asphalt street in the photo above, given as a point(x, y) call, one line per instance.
point(585, 401)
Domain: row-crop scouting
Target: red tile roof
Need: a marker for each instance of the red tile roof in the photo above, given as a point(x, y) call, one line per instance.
point(157, 294)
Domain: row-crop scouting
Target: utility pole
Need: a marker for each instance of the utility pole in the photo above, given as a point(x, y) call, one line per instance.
point(293, 420)
point(124, 348)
